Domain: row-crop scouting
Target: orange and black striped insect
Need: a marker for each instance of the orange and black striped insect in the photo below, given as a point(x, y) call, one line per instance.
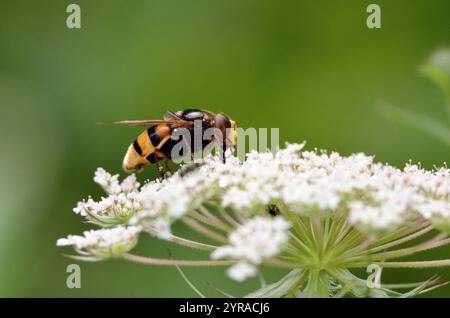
point(156, 142)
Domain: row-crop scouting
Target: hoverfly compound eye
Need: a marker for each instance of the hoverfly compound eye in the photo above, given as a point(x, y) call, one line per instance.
point(222, 122)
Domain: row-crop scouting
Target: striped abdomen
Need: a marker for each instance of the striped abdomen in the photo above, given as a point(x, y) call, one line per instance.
point(152, 145)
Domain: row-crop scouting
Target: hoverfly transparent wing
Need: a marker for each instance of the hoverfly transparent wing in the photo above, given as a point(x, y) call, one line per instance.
point(147, 122)
point(168, 115)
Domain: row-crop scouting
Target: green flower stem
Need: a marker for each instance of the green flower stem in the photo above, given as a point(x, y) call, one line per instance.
point(419, 264)
point(401, 240)
point(330, 235)
point(403, 236)
point(318, 284)
point(400, 233)
point(215, 220)
point(204, 230)
point(209, 221)
point(411, 250)
point(174, 262)
point(83, 258)
point(185, 242)
point(352, 241)
point(296, 261)
point(401, 286)
point(280, 263)
point(342, 230)
point(300, 245)
point(227, 217)
point(318, 230)
point(302, 232)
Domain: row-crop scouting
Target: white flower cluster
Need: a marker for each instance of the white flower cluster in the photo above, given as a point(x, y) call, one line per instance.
point(103, 243)
point(123, 200)
point(110, 183)
point(374, 196)
point(170, 199)
point(400, 195)
point(258, 239)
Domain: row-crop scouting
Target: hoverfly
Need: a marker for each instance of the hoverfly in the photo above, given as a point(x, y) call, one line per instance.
point(156, 142)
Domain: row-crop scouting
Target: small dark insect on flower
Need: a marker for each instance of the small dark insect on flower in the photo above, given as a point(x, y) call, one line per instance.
point(273, 209)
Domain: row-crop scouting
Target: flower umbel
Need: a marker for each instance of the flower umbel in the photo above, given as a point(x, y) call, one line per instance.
point(104, 243)
point(318, 214)
point(258, 239)
point(123, 200)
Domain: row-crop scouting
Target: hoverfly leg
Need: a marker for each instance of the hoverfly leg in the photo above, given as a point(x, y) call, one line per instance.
point(168, 171)
point(222, 153)
point(159, 167)
point(160, 170)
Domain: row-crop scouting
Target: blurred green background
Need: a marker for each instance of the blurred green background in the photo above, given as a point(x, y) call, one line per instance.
point(312, 68)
